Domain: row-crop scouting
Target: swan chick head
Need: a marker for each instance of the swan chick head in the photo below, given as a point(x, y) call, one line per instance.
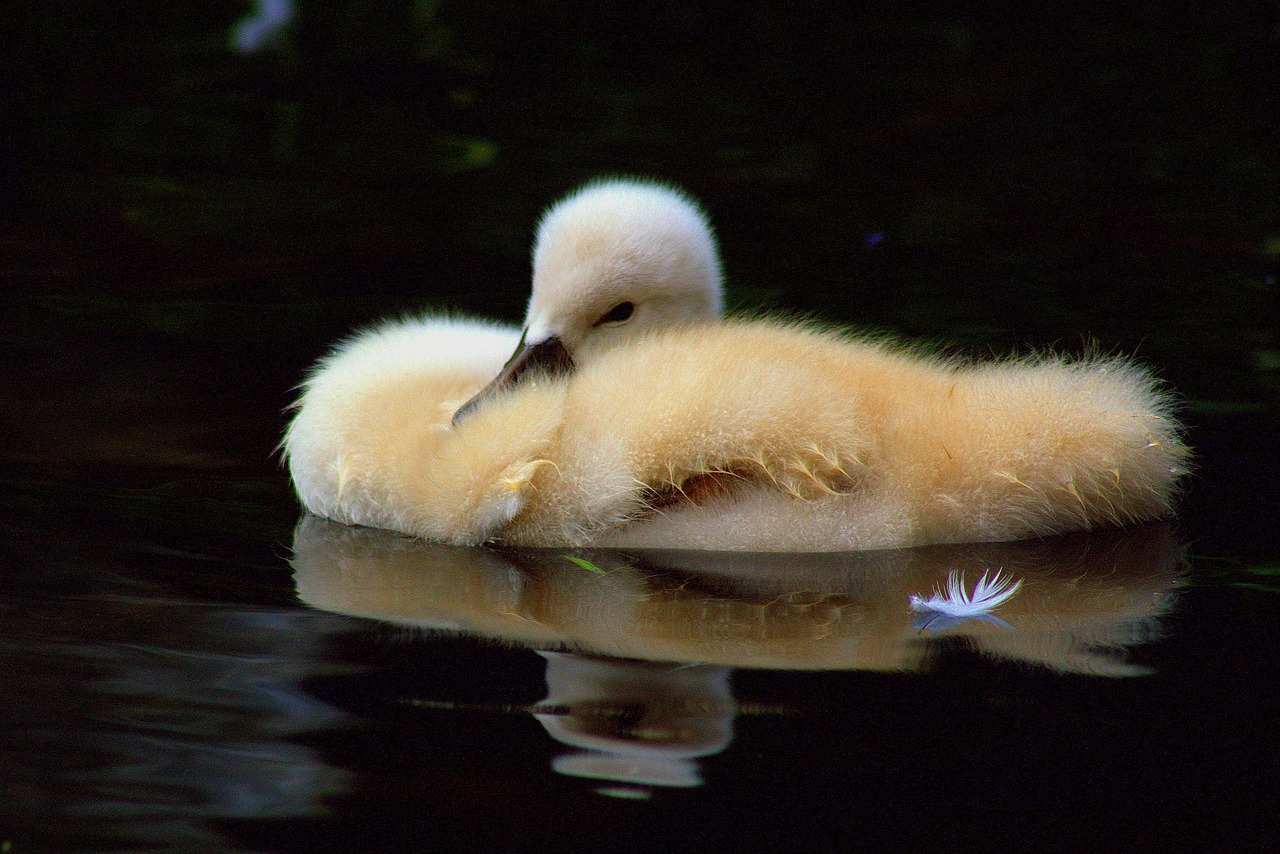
point(612, 260)
point(617, 258)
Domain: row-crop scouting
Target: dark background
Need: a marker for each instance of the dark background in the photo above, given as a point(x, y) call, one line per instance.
point(1011, 160)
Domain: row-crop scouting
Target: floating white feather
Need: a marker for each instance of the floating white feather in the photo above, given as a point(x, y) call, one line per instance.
point(943, 610)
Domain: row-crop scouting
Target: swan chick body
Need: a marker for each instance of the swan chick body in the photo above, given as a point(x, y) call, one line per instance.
point(674, 429)
point(783, 437)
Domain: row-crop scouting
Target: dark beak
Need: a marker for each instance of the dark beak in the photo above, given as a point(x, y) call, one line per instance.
point(547, 357)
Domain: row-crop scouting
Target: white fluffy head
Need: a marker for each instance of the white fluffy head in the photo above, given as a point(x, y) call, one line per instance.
point(619, 257)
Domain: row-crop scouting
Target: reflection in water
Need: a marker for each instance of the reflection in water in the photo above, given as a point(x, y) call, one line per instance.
point(636, 722)
point(146, 721)
point(681, 620)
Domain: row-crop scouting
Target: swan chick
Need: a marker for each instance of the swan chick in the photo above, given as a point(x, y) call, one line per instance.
point(674, 430)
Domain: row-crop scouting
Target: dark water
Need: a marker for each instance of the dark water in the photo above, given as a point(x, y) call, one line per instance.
point(186, 665)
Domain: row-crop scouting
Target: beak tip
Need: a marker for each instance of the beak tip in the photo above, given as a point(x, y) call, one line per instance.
point(549, 355)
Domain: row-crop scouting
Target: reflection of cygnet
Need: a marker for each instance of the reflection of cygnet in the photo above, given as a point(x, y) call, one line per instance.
point(638, 723)
point(1081, 600)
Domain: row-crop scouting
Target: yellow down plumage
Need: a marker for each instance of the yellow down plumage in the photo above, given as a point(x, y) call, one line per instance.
point(676, 429)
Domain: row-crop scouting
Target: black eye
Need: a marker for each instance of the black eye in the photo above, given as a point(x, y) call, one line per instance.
point(620, 312)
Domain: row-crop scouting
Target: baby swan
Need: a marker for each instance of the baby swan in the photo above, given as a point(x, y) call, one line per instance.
point(630, 417)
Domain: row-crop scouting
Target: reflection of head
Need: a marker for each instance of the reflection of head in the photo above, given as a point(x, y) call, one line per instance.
point(1084, 598)
point(638, 722)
